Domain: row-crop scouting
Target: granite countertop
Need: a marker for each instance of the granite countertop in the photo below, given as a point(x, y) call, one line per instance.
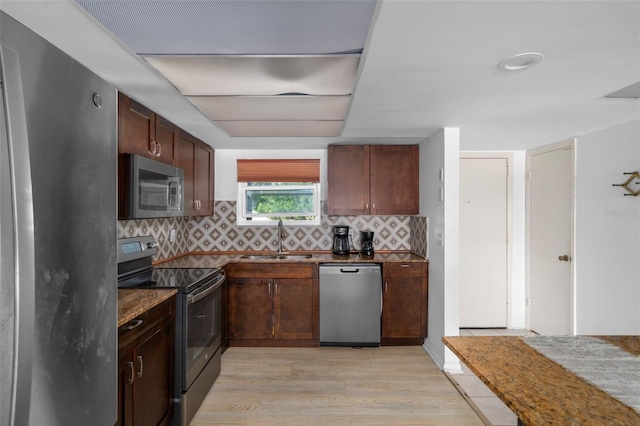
point(538, 390)
point(218, 260)
point(133, 302)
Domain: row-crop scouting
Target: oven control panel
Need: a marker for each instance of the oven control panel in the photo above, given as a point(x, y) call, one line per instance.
point(136, 248)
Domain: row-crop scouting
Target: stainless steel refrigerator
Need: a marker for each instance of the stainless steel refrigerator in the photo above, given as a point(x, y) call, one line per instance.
point(58, 296)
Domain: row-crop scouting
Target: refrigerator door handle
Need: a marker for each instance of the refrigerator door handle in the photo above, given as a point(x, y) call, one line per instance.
point(24, 244)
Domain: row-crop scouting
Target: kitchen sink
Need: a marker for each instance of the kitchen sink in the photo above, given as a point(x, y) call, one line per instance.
point(294, 256)
point(258, 256)
point(276, 256)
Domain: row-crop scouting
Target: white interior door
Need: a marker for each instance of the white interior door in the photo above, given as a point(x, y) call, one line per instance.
point(483, 242)
point(550, 213)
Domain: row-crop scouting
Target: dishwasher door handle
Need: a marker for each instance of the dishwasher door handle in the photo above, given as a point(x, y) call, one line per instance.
point(349, 271)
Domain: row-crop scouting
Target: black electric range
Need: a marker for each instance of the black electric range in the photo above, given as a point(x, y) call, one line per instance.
point(182, 279)
point(135, 268)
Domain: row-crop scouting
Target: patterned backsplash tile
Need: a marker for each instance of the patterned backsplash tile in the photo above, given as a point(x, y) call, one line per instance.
point(160, 229)
point(220, 233)
point(418, 229)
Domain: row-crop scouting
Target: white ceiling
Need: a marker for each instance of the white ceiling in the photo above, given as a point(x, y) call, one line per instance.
point(427, 65)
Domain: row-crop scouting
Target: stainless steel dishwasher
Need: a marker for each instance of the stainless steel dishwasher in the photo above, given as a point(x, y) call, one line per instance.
point(350, 304)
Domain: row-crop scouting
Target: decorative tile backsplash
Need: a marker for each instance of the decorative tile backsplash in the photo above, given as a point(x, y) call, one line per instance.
point(220, 233)
point(418, 229)
point(160, 229)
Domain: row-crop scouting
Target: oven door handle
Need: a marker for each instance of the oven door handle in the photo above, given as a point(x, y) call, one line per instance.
point(195, 297)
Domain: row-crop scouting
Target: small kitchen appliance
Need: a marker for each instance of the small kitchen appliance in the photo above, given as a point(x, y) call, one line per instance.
point(341, 239)
point(366, 241)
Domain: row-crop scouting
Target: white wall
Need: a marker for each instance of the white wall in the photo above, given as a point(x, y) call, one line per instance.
point(607, 226)
point(518, 226)
point(226, 171)
point(442, 151)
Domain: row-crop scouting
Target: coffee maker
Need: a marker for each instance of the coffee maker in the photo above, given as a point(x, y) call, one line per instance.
point(366, 241)
point(340, 239)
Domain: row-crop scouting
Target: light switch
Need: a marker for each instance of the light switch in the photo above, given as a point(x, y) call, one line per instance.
point(172, 236)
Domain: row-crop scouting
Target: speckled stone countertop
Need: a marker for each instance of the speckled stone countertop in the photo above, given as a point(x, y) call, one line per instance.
point(133, 302)
point(211, 260)
point(536, 389)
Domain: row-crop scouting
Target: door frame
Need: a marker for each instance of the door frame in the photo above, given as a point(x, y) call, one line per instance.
point(508, 156)
point(566, 144)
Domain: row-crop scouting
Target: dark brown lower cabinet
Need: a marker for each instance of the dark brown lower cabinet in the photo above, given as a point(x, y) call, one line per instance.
point(272, 304)
point(405, 300)
point(146, 367)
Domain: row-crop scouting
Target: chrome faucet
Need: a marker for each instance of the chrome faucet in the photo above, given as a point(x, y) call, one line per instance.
point(281, 235)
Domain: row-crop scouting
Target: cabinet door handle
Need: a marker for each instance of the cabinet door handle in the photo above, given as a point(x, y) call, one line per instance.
point(269, 288)
point(385, 286)
point(366, 206)
point(141, 369)
point(130, 379)
point(159, 145)
point(276, 292)
point(153, 147)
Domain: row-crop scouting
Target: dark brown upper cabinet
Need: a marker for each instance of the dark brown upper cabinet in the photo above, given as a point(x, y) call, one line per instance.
point(143, 132)
point(196, 159)
point(373, 180)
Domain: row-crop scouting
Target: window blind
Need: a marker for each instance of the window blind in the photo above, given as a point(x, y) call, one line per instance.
point(285, 170)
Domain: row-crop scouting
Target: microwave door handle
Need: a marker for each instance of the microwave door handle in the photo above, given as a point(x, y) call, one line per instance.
point(175, 184)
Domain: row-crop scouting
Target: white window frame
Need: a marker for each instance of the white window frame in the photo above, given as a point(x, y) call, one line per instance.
point(263, 220)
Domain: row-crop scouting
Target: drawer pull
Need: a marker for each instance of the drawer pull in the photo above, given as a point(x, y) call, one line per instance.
point(133, 324)
point(405, 265)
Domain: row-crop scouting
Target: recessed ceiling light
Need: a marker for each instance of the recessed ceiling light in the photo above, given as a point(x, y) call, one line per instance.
point(520, 62)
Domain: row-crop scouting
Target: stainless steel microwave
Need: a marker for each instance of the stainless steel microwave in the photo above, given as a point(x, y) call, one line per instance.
point(155, 189)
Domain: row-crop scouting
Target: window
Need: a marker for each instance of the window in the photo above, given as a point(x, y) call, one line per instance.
point(272, 190)
point(263, 203)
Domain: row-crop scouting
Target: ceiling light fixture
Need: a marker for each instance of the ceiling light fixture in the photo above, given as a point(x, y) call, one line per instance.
point(520, 62)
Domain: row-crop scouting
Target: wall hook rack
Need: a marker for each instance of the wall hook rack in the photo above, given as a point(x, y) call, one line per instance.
point(632, 176)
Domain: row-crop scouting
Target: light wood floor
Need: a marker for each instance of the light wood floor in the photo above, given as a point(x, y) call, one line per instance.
point(332, 386)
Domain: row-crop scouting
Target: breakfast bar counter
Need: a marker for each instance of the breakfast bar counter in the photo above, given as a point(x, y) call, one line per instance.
point(538, 390)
